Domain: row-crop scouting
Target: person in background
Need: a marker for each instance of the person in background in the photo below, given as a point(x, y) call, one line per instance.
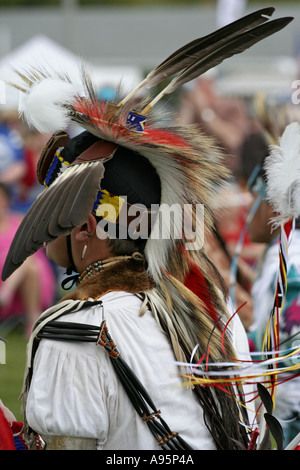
point(12, 162)
point(32, 287)
point(221, 253)
point(29, 187)
point(224, 118)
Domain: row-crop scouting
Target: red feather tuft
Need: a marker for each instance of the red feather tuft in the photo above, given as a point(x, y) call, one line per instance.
point(164, 137)
point(196, 282)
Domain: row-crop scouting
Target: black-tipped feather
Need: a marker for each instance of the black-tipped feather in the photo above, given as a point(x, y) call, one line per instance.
point(200, 47)
point(265, 398)
point(237, 45)
point(46, 211)
point(88, 182)
point(25, 230)
point(197, 49)
point(275, 429)
point(58, 197)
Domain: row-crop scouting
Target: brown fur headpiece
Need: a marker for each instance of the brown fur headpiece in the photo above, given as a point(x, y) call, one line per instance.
point(127, 276)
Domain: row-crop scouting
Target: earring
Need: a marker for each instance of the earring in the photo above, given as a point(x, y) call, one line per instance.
point(84, 251)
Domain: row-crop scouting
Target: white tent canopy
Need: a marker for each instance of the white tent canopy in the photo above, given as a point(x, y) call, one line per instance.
point(42, 52)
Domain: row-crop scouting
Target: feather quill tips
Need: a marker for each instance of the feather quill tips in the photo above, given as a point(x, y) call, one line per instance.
point(282, 168)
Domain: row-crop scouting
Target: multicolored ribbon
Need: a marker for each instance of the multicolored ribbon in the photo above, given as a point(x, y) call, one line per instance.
point(271, 340)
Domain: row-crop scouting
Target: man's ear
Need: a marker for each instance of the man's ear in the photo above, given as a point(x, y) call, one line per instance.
point(86, 230)
point(91, 225)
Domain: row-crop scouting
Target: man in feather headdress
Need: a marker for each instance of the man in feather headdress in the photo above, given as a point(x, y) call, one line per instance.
point(149, 321)
point(101, 369)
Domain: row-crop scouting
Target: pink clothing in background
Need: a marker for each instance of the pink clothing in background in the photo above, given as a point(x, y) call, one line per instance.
point(46, 274)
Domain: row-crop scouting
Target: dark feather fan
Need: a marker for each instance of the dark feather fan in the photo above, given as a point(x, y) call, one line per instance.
point(218, 54)
point(56, 212)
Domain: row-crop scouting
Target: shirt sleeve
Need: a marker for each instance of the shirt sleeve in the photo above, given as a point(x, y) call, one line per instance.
point(71, 390)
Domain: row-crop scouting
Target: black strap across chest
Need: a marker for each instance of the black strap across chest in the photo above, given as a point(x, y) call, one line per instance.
point(139, 397)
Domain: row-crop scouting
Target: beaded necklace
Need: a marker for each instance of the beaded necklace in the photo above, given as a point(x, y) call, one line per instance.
point(98, 266)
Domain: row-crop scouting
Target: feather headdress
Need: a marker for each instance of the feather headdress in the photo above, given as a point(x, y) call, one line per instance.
point(186, 162)
point(282, 168)
point(281, 164)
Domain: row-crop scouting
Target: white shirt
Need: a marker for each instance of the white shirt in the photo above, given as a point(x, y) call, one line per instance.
point(75, 391)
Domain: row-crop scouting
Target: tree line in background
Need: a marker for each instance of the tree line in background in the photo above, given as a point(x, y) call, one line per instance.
point(56, 3)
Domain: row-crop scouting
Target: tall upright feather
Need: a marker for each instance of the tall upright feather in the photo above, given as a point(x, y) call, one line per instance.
point(199, 48)
point(235, 46)
point(184, 56)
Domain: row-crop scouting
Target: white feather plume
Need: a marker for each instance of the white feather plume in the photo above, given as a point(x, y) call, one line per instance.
point(43, 104)
point(282, 168)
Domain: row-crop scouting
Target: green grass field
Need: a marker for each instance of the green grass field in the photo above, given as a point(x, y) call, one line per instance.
point(12, 371)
